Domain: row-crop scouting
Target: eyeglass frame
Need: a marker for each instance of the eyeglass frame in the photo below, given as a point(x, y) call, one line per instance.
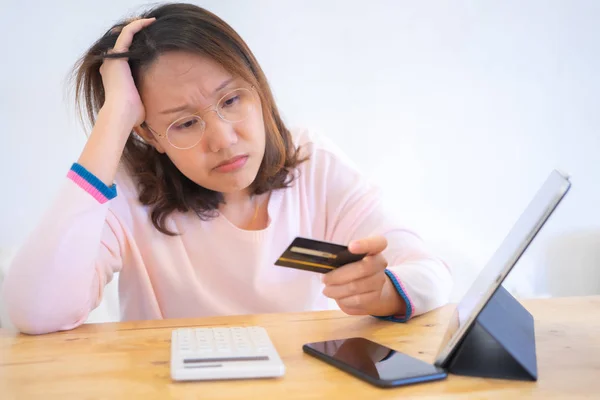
point(212, 107)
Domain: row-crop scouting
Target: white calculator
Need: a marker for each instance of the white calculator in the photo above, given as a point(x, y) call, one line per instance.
point(223, 353)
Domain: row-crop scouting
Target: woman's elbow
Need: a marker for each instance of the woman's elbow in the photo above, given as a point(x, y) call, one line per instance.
point(36, 317)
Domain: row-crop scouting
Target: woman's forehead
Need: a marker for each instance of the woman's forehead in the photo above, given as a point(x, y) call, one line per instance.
point(179, 77)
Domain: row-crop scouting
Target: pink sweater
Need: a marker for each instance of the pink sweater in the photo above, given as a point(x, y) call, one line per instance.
point(213, 268)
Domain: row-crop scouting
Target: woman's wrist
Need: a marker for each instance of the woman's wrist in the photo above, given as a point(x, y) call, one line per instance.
point(391, 303)
point(103, 150)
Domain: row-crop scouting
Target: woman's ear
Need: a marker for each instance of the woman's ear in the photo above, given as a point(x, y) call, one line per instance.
point(144, 132)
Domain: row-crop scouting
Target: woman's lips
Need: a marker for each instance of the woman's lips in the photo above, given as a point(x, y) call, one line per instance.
point(233, 164)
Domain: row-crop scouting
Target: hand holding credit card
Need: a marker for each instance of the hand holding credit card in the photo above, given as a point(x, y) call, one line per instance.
point(358, 289)
point(317, 256)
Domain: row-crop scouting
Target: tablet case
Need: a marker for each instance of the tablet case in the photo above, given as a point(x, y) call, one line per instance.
point(500, 344)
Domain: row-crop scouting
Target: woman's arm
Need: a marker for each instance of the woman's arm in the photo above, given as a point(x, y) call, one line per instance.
point(59, 273)
point(419, 281)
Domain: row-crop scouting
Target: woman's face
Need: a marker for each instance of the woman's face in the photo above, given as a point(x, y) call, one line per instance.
point(179, 86)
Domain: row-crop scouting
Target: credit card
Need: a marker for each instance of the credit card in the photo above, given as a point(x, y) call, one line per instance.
point(316, 256)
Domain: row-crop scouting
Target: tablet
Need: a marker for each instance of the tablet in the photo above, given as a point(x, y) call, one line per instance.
point(493, 274)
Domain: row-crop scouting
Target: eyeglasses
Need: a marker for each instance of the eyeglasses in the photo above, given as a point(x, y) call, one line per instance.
point(186, 132)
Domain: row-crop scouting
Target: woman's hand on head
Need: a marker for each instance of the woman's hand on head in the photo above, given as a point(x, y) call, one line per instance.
point(362, 287)
point(121, 97)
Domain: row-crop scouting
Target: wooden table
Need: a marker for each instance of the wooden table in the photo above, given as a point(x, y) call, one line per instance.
point(131, 360)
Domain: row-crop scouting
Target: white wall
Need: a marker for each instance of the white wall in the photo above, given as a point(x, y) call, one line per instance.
point(459, 109)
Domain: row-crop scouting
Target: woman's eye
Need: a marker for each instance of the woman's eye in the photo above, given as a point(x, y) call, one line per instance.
point(231, 101)
point(187, 124)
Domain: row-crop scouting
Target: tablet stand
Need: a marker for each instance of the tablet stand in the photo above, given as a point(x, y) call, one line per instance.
point(500, 344)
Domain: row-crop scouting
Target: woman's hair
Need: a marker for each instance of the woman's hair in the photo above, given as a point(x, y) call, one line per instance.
point(185, 27)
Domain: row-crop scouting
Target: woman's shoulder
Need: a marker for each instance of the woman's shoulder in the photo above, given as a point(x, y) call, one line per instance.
point(328, 178)
point(320, 150)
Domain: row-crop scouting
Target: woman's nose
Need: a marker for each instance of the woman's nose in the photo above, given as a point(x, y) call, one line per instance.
point(218, 134)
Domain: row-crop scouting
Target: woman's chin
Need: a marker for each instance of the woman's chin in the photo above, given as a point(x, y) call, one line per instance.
point(236, 185)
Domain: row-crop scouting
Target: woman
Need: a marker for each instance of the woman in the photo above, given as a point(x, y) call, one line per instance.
point(191, 186)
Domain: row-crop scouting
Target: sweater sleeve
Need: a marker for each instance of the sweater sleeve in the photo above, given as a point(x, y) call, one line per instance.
point(59, 273)
point(354, 210)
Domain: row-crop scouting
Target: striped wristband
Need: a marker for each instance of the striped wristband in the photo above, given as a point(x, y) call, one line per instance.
point(402, 292)
point(91, 184)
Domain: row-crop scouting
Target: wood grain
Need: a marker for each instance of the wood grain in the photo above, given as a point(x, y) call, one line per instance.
point(131, 359)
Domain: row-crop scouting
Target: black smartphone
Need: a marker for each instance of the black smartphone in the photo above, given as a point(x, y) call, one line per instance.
point(373, 362)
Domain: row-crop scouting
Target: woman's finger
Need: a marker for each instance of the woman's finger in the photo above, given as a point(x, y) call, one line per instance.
point(371, 245)
point(126, 36)
point(361, 269)
point(359, 301)
point(364, 285)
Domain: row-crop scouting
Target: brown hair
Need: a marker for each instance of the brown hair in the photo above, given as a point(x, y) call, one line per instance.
point(185, 27)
